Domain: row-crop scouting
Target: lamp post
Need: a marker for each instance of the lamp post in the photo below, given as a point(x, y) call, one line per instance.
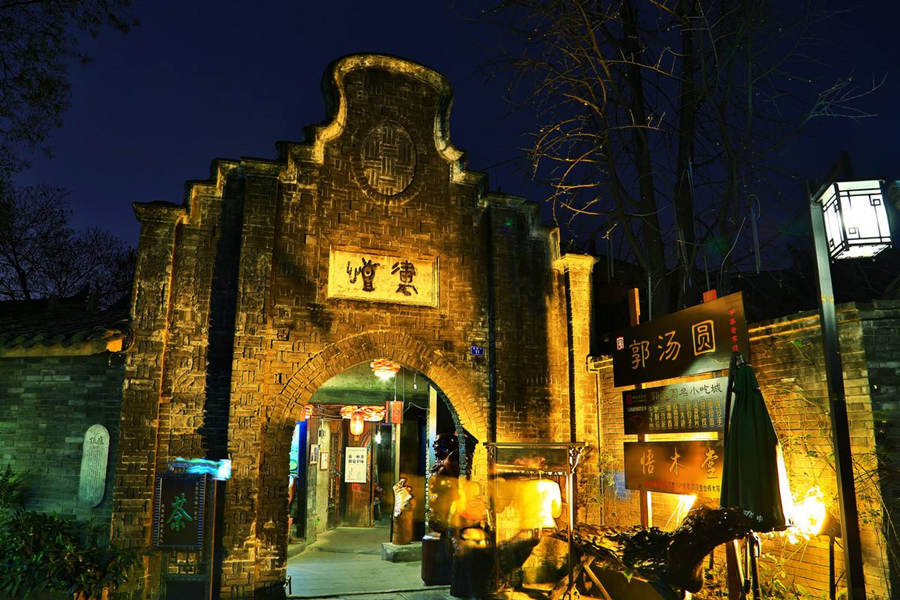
point(848, 221)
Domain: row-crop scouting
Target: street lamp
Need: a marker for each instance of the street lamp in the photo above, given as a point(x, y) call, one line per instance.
point(848, 221)
point(856, 223)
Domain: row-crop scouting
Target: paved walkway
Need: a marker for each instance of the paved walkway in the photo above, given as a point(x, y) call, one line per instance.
point(346, 563)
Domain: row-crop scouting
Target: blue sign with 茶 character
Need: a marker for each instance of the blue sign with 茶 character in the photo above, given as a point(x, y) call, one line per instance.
point(698, 339)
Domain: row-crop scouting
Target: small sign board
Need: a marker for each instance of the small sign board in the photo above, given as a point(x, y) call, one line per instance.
point(378, 277)
point(355, 464)
point(178, 510)
point(678, 467)
point(476, 350)
point(393, 412)
point(94, 456)
point(682, 407)
point(699, 339)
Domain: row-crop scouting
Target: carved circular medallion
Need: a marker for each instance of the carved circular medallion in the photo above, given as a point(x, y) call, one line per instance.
point(387, 160)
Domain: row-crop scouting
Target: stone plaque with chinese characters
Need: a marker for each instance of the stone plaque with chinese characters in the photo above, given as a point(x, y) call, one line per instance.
point(698, 339)
point(377, 277)
point(681, 467)
point(94, 455)
point(689, 406)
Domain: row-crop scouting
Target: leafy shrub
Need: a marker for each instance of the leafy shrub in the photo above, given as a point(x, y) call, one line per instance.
point(40, 552)
point(12, 489)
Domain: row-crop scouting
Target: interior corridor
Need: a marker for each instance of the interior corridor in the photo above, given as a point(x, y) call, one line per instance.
point(347, 560)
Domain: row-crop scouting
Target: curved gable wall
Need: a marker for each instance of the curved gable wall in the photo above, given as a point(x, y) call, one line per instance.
point(235, 325)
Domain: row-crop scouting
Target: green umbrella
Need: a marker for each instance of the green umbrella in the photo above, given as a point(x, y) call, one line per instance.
point(750, 479)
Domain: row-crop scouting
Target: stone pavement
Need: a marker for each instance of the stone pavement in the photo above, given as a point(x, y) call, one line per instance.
point(345, 563)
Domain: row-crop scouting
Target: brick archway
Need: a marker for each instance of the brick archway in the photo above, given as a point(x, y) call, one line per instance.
point(400, 347)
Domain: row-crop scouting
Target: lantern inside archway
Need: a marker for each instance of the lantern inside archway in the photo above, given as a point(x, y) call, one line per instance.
point(358, 415)
point(384, 369)
point(357, 423)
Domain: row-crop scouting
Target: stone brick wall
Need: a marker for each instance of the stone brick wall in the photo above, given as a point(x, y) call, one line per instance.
point(46, 406)
point(234, 328)
point(880, 323)
point(787, 357)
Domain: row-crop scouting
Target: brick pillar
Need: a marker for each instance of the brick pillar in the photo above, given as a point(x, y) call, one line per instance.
point(250, 547)
point(576, 271)
point(143, 387)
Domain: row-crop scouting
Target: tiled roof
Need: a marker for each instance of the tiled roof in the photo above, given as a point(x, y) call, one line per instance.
point(61, 326)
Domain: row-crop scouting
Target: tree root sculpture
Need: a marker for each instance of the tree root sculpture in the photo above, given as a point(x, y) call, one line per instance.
point(673, 559)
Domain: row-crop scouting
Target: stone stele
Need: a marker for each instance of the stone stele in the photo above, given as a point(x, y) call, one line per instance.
point(92, 479)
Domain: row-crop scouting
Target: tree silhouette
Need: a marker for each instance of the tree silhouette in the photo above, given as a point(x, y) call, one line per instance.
point(658, 125)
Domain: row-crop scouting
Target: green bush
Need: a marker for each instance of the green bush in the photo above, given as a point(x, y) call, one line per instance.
point(42, 553)
point(12, 489)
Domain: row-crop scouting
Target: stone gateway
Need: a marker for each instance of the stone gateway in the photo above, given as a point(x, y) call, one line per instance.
point(369, 241)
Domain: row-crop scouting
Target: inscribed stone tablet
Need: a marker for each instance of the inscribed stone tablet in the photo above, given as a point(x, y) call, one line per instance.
point(92, 479)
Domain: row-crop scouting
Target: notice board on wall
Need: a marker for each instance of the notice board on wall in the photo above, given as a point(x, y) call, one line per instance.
point(682, 407)
point(356, 460)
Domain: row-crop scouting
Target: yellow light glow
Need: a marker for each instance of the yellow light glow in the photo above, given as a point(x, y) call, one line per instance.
point(357, 423)
point(807, 515)
point(685, 503)
point(384, 369)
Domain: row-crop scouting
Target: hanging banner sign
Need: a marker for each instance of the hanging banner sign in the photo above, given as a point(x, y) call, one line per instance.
point(682, 467)
point(393, 412)
point(356, 464)
point(699, 339)
point(400, 279)
point(178, 508)
point(683, 407)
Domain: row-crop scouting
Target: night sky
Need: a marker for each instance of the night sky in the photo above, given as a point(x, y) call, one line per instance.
point(200, 80)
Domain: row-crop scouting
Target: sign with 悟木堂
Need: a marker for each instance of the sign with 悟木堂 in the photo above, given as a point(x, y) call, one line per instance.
point(699, 339)
point(377, 277)
point(682, 407)
point(178, 511)
point(677, 467)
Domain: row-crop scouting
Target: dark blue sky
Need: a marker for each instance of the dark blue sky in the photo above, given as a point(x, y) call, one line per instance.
point(201, 79)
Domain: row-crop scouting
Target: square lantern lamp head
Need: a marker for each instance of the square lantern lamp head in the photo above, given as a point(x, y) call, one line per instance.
point(856, 222)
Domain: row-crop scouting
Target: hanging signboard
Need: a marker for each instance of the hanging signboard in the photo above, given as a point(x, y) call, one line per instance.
point(695, 340)
point(683, 407)
point(382, 278)
point(355, 464)
point(178, 509)
point(393, 412)
point(678, 467)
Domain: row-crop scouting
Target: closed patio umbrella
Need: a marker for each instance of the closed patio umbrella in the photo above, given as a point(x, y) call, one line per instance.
point(750, 473)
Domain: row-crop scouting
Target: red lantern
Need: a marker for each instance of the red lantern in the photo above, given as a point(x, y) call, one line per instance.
point(357, 423)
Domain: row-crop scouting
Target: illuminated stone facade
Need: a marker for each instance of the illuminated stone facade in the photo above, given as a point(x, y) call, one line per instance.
point(235, 328)
point(240, 312)
point(786, 355)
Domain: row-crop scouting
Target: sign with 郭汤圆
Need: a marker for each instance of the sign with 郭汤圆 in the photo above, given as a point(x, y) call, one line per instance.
point(682, 407)
point(677, 467)
point(377, 277)
point(178, 511)
point(94, 457)
point(698, 339)
point(356, 464)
